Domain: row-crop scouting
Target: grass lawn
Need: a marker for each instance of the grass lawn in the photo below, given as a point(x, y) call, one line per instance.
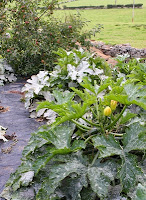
point(118, 26)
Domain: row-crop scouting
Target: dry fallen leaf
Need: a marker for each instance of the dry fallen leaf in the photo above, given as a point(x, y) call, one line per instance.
point(16, 92)
point(4, 109)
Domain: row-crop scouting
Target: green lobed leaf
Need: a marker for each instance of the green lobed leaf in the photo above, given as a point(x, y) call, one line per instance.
point(135, 138)
point(100, 177)
point(60, 136)
point(73, 186)
point(117, 93)
point(129, 171)
point(128, 94)
point(67, 111)
point(127, 117)
point(88, 85)
point(107, 145)
point(96, 89)
point(87, 194)
point(35, 142)
point(63, 97)
point(78, 144)
point(85, 96)
point(140, 192)
point(136, 94)
point(59, 172)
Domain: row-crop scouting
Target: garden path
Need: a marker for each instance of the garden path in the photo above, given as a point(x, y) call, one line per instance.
point(16, 118)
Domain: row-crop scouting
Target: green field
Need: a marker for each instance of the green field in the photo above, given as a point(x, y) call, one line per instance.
point(118, 26)
point(101, 2)
point(117, 23)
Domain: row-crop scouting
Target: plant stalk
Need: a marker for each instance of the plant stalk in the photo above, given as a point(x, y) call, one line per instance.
point(80, 125)
point(91, 123)
point(89, 138)
point(95, 158)
point(117, 134)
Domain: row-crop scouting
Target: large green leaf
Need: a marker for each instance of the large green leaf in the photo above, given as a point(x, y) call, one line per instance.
point(85, 96)
point(87, 194)
point(140, 192)
point(73, 187)
point(59, 172)
point(136, 94)
point(60, 136)
point(35, 142)
point(129, 171)
point(67, 111)
point(96, 89)
point(128, 94)
point(62, 97)
point(135, 138)
point(100, 177)
point(125, 118)
point(107, 145)
point(21, 176)
point(71, 175)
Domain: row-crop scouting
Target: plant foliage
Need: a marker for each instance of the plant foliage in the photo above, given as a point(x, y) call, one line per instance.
point(85, 154)
point(6, 73)
point(35, 34)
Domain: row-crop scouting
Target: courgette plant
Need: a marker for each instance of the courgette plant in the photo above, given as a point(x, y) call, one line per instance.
point(95, 147)
point(90, 151)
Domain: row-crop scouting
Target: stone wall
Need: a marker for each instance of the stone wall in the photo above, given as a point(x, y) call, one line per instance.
point(120, 49)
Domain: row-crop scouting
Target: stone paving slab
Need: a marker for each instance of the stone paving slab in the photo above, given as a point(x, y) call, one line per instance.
point(17, 121)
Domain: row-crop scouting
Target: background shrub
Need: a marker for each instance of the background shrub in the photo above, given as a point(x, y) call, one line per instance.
point(35, 34)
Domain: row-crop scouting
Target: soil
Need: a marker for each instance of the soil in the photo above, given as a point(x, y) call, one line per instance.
point(15, 118)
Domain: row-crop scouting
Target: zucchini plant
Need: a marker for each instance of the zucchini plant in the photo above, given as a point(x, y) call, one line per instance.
point(88, 152)
point(95, 147)
point(70, 69)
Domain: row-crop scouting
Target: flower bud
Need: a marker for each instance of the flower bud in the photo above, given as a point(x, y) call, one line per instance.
point(113, 104)
point(107, 111)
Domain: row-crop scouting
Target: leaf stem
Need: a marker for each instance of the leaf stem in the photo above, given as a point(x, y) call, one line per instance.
point(80, 125)
point(89, 138)
point(82, 129)
point(117, 134)
point(115, 121)
point(93, 113)
point(102, 128)
point(91, 123)
point(95, 158)
point(93, 130)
